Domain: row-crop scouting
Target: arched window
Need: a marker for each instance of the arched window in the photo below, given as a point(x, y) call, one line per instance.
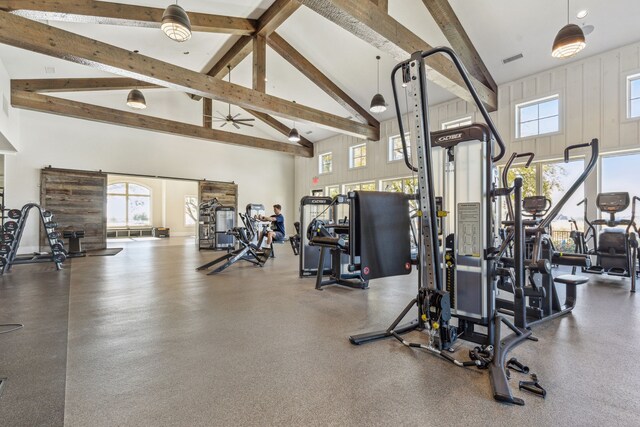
point(128, 205)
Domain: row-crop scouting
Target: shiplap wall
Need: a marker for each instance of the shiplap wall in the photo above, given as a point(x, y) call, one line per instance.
point(592, 105)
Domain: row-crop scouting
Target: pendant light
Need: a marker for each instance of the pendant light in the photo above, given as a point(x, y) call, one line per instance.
point(176, 24)
point(569, 40)
point(294, 136)
point(136, 100)
point(378, 104)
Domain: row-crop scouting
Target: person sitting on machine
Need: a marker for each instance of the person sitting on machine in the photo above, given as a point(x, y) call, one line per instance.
point(277, 231)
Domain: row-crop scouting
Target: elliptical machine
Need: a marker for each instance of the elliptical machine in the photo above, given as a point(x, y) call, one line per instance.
point(615, 249)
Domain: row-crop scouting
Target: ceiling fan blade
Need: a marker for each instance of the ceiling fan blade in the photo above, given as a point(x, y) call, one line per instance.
point(244, 124)
point(244, 120)
point(224, 124)
point(236, 125)
point(219, 120)
point(236, 116)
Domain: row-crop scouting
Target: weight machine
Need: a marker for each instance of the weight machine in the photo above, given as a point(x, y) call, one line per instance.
point(457, 282)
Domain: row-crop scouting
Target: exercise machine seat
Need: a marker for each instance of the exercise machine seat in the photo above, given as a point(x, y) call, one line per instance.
point(330, 242)
point(571, 279)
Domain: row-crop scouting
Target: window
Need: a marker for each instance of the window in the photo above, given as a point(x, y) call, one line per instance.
point(557, 178)
point(326, 163)
point(395, 147)
point(128, 205)
point(191, 210)
point(358, 156)
point(360, 186)
point(465, 121)
point(333, 190)
point(615, 177)
point(317, 193)
point(538, 117)
point(633, 91)
point(400, 185)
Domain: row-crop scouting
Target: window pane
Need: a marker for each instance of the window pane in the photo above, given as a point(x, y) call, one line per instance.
point(392, 185)
point(116, 211)
point(369, 186)
point(190, 210)
point(557, 178)
point(634, 111)
point(548, 125)
point(139, 189)
point(139, 210)
point(616, 173)
point(635, 88)
point(333, 191)
point(549, 108)
point(528, 113)
point(529, 129)
point(118, 188)
point(411, 185)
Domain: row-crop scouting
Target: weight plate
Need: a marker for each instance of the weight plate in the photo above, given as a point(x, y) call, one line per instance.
point(10, 226)
point(54, 235)
point(51, 224)
point(5, 249)
point(59, 257)
point(47, 214)
point(14, 213)
point(8, 237)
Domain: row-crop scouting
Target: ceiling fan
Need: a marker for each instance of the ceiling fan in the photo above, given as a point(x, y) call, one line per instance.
point(229, 118)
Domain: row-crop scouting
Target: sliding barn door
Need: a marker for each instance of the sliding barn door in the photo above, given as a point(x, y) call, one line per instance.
point(77, 199)
point(225, 192)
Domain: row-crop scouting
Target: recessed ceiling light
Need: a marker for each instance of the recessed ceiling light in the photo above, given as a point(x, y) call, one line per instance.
point(581, 14)
point(186, 52)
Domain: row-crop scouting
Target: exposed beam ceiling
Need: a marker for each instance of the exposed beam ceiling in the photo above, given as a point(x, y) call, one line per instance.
point(64, 107)
point(270, 20)
point(376, 27)
point(81, 84)
point(453, 30)
point(280, 127)
point(100, 12)
point(259, 63)
point(207, 113)
point(303, 65)
point(34, 36)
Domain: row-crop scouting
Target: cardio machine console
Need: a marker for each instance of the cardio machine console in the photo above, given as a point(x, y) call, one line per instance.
point(536, 205)
point(613, 202)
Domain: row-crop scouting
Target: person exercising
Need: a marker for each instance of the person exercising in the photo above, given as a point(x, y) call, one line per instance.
point(277, 225)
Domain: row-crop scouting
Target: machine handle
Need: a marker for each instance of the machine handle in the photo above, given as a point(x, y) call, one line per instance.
point(574, 147)
point(632, 221)
point(505, 177)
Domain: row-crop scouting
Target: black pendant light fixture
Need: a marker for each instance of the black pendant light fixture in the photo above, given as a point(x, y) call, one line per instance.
point(378, 104)
point(569, 40)
point(176, 24)
point(294, 136)
point(136, 100)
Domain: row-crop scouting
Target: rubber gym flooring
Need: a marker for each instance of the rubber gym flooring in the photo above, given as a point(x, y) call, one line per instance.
point(142, 339)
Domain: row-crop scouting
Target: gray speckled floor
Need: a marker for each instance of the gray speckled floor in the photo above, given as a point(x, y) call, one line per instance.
point(153, 342)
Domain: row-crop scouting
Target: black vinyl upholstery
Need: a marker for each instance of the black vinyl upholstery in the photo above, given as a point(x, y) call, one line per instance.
point(380, 233)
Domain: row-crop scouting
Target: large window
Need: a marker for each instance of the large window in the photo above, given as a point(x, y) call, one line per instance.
point(618, 174)
point(332, 190)
point(360, 186)
point(557, 178)
point(325, 163)
point(400, 185)
point(465, 121)
point(395, 148)
point(358, 156)
point(128, 205)
point(633, 96)
point(191, 210)
point(538, 117)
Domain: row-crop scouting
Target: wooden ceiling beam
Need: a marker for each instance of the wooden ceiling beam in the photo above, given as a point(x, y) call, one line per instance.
point(37, 37)
point(207, 113)
point(377, 28)
point(80, 84)
point(280, 127)
point(303, 65)
point(102, 12)
point(79, 110)
point(453, 30)
point(259, 63)
point(271, 19)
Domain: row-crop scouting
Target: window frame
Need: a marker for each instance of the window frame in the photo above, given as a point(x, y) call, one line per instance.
point(391, 150)
point(327, 190)
point(187, 196)
point(627, 96)
point(320, 163)
point(457, 122)
point(352, 158)
point(126, 195)
point(360, 184)
point(533, 101)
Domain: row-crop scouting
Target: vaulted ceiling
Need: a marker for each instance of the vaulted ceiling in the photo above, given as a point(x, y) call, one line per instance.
point(498, 29)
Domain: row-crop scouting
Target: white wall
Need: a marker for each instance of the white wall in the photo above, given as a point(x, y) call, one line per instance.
point(592, 93)
point(262, 176)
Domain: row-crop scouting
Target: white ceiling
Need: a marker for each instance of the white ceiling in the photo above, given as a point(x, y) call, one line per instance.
point(498, 28)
